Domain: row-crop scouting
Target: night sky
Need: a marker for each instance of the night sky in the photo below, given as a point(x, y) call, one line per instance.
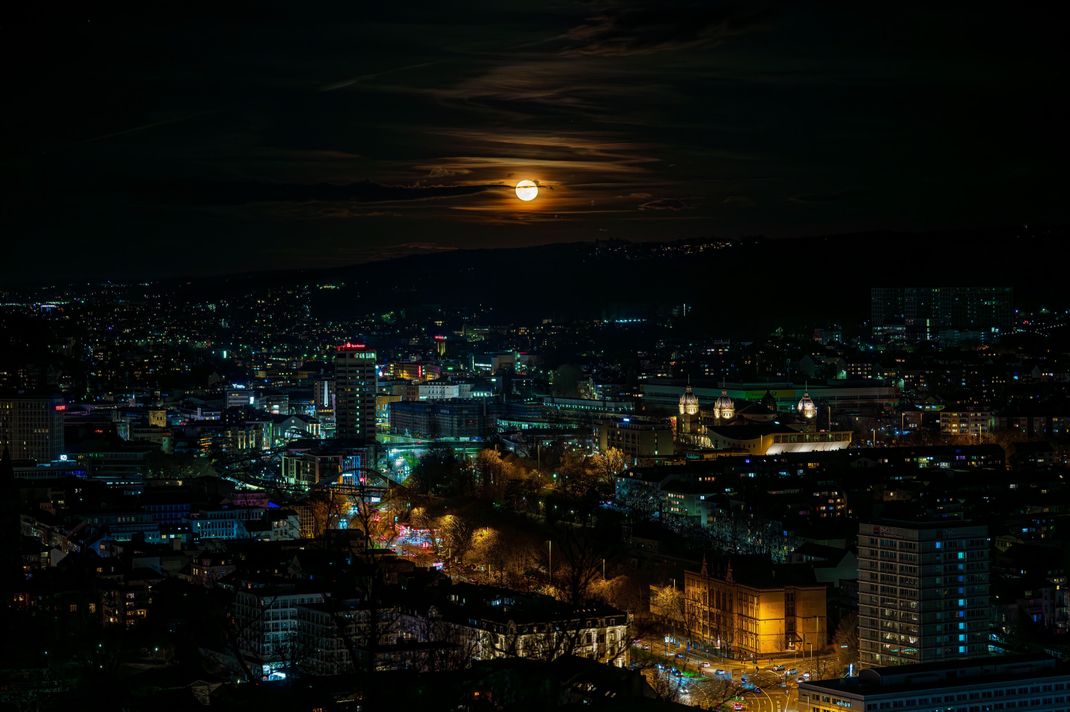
point(179, 142)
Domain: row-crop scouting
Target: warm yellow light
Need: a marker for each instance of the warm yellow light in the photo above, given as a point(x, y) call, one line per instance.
point(527, 190)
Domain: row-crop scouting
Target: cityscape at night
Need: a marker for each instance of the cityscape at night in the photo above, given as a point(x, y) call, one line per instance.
point(591, 354)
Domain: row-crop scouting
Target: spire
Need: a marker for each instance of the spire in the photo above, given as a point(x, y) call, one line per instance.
point(705, 569)
point(728, 572)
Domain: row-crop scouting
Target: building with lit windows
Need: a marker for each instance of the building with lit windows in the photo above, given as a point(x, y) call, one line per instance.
point(1013, 682)
point(265, 614)
point(975, 423)
point(757, 609)
point(923, 592)
point(452, 419)
point(637, 438)
point(354, 391)
point(489, 623)
point(443, 391)
point(327, 632)
point(31, 427)
point(946, 314)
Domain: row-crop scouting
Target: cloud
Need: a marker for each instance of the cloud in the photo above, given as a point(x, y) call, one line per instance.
point(445, 171)
point(816, 198)
point(245, 192)
point(634, 30)
point(670, 204)
point(739, 200)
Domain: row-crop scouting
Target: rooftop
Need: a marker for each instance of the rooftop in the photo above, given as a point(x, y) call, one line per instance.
point(949, 673)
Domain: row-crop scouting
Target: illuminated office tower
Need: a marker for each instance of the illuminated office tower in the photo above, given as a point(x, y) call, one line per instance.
point(354, 392)
point(32, 427)
point(923, 592)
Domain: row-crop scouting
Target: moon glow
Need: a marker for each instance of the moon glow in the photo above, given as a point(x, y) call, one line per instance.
point(527, 190)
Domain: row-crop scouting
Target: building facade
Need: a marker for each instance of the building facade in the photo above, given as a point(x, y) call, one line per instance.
point(757, 618)
point(355, 385)
point(937, 313)
point(637, 439)
point(923, 592)
point(1020, 682)
point(31, 427)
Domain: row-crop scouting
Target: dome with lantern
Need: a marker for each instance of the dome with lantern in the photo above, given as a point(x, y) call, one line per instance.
point(723, 407)
point(688, 402)
point(806, 407)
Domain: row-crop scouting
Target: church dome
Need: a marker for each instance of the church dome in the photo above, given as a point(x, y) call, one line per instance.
point(723, 407)
point(688, 402)
point(806, 407)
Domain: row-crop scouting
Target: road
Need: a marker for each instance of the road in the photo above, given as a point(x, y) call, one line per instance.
point(776, 691)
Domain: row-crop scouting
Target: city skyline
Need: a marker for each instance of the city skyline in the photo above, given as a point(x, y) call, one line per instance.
point(498, 355)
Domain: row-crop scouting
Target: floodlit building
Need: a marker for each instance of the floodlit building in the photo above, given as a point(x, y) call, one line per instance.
point(773, 439)
point(757, 610)
point(489, 623)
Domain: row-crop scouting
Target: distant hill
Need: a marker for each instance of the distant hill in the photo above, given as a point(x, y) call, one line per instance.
point(732, 284)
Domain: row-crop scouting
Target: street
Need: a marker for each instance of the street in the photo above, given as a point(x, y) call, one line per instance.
point(765, 690)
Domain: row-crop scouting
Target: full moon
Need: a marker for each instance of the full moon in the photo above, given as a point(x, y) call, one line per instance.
point(527, 190)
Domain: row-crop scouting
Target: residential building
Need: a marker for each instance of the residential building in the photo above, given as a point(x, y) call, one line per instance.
point(923, 592)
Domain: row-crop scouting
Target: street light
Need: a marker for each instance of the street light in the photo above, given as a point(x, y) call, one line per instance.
point(550, 560)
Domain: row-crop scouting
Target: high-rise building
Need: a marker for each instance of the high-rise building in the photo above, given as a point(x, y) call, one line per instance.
point(354, 392)
point(31, 427)
point(923, 592)
point(941, 313)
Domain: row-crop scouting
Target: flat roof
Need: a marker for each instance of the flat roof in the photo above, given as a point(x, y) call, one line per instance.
point(942, 674)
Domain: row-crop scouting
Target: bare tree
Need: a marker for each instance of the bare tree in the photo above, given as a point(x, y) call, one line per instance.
point(580, 564)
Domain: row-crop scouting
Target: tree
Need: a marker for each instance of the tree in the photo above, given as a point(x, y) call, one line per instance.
point(607, 465)
point(440, 472)
point(327, 509)
point(845, 640)
point(366, 510)
point(456, 535)
point(491, 474)
point(620, 592)
point(580, 564)
point(667, 604)
point(711, 693)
